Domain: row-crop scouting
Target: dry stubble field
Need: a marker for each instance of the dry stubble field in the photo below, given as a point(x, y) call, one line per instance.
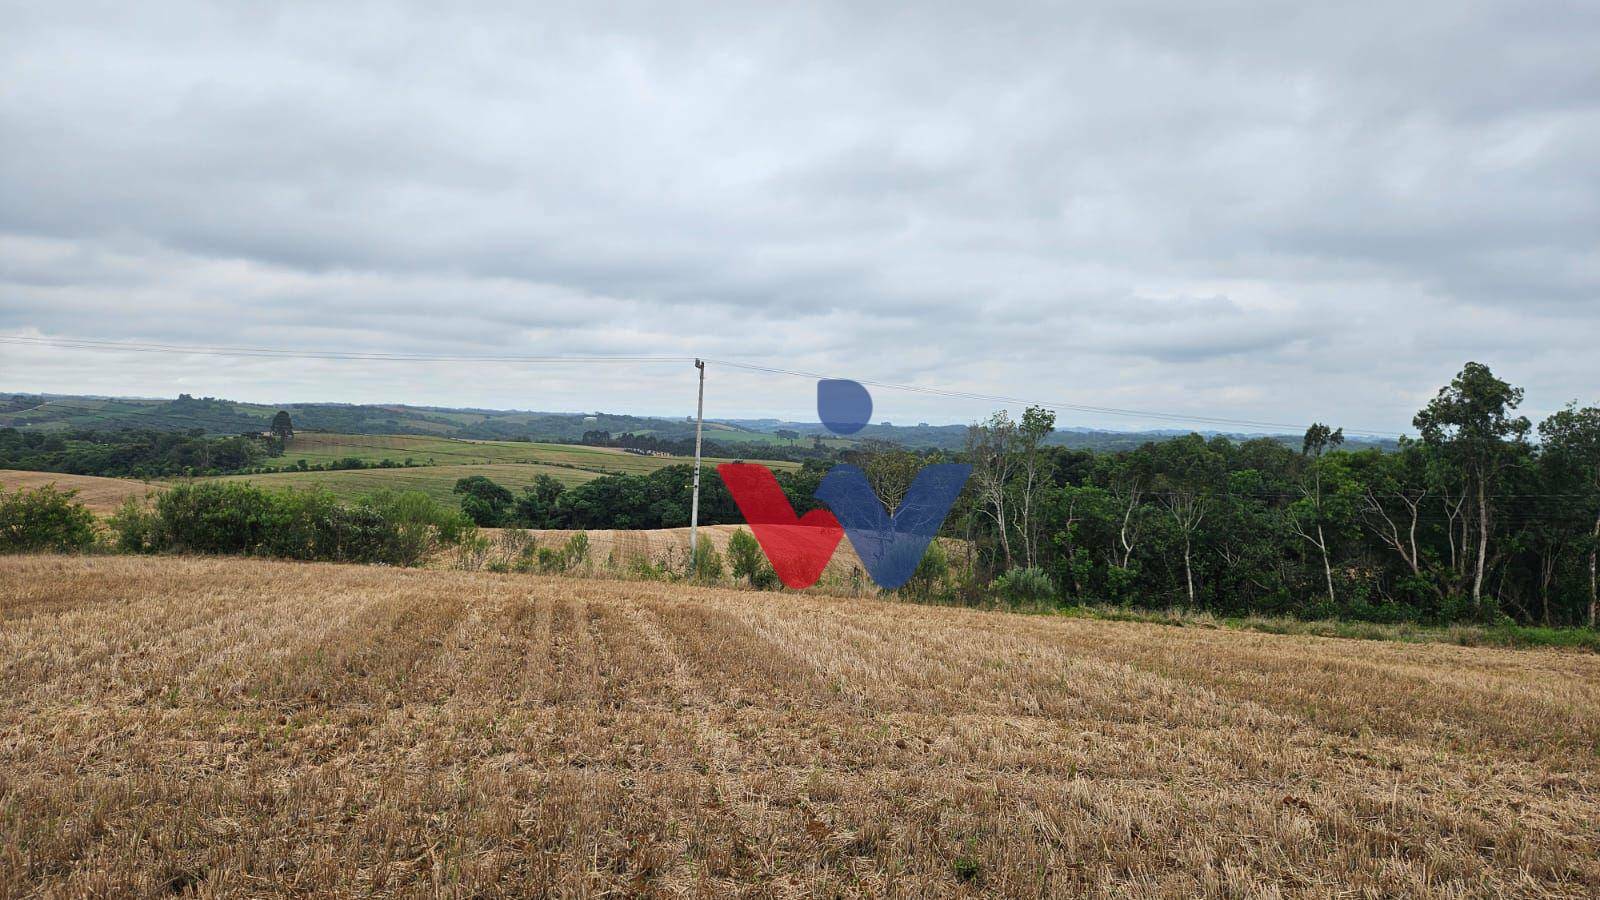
point(239, 727)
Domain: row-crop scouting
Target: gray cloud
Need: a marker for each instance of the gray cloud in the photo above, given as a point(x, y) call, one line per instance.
point(1246, 210)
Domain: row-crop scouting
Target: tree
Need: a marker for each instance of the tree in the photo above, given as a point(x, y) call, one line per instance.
point(1306, 518)
point(482, 500)
point(890, 469)
point(1396, 486)
point(537, 507)
point(282, 427)
point(1572, 439)
point(1008, 475)
point(1037, 423)
point(787, 435)
point(1188, 472)
point(991, 449)
point(1471, 421)
point(1320, 438)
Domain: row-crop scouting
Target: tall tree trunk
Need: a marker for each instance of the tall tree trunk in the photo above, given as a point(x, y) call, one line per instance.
point(1483, 545)
point(1188, 570)
point(1005, 537)
point(1327, 568)
point(1122, 536)
point(1594, 601)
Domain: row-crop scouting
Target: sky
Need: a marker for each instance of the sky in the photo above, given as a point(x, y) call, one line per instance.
point(1249, 211)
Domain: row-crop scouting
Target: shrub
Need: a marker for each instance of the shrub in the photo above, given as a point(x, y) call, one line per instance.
point(414, 508)
point(217, 517)
point(44, 518)
point(213, 517)
point(472, 550)
point(1021, 586)
point(931, 573)
point(707, 561)
point(745, 557)
point(136, 529)
point(765, 578)
point(577, 549)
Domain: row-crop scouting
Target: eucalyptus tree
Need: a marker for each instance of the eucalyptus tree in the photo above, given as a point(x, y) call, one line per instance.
point(1571, 439)
point(1471, 421)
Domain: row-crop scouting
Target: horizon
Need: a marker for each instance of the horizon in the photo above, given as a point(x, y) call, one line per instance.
point(1359, 437)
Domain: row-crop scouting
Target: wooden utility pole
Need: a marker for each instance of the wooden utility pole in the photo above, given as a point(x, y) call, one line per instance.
point(694, 503)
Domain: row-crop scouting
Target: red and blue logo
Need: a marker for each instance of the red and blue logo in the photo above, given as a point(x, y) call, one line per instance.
point(890, 544)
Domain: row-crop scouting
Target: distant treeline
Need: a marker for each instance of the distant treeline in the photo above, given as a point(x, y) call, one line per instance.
point(684, 446)
point(133, 452)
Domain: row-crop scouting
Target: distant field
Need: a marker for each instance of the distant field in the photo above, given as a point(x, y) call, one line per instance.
point(222, 727)
point(100, 495)
point(440, 462)
point(317, 448)
point(435, 481)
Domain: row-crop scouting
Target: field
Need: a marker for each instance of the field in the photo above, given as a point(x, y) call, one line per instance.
point(323, 448)
point(223, 726)
point(100, 495)
point(435, 481)
point(439, 462)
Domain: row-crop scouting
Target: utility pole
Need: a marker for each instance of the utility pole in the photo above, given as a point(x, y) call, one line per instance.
point(694, 504)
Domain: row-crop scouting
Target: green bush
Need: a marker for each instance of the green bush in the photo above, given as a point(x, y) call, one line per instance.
point(136, 529)
point(577, 550)
point(1023, 586)
point(745, 557)
point(231, 518)
point(929, 578)
point(214, 517)
point(707, 561)
point(414, 508)
point(44, 518)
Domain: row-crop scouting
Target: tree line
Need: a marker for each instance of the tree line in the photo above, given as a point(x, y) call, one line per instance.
point(1473, 520)
point(134, 452)
point(1481, 517)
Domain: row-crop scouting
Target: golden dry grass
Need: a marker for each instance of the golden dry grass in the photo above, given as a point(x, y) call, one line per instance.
point(230, 727)
point(100, 495)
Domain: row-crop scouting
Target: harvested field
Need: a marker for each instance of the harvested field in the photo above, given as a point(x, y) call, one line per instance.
point(222, 726)
point(100, 495)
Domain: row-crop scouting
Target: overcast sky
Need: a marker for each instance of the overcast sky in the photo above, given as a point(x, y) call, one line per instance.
point(1251, 211)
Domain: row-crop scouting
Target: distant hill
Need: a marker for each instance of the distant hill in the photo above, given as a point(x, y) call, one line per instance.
point(219, 416)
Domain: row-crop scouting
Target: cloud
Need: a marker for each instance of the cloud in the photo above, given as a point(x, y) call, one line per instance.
point(1248, 211)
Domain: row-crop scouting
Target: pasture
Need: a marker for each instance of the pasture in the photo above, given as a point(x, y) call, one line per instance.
point(218, 726)
point(435, 481)
point(437, 463)
point(318, 448)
